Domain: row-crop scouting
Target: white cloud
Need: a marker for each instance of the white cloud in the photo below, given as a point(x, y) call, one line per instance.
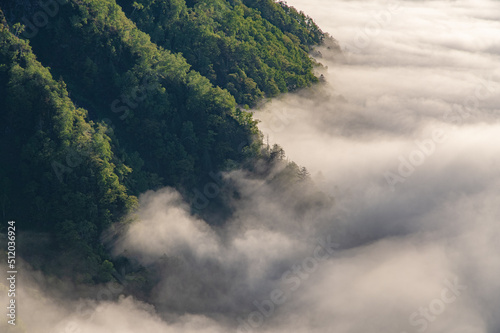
point(429, 65)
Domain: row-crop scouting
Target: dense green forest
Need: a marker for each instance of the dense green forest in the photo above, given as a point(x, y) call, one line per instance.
point(101, 100)
point(251, 48)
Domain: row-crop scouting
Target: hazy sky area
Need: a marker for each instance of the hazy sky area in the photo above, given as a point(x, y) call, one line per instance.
point(403, 135)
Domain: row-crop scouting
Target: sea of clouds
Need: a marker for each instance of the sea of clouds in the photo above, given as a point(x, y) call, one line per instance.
point(402, 136)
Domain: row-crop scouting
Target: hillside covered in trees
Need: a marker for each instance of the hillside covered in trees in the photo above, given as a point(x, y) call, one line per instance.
point(101, 100)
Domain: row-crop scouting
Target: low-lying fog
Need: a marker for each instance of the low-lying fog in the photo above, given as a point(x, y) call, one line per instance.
point(403, 136)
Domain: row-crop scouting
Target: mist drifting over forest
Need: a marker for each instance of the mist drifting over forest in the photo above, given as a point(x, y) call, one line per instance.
point(401, 135)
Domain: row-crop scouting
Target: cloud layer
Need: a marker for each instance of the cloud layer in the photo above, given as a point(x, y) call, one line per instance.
point(402, 137)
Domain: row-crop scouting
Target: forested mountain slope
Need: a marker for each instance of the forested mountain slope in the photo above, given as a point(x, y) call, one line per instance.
point(101, 100)
point(58, 173)
point(233, 44)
